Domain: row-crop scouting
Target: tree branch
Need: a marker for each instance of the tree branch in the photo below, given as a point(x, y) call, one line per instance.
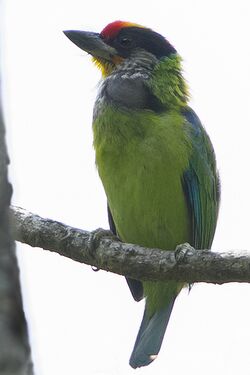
point(106, 252)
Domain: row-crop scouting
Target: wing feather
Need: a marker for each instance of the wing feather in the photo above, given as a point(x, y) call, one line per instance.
point(201, 183)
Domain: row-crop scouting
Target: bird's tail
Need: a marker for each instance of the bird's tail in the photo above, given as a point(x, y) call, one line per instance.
point(150, 335)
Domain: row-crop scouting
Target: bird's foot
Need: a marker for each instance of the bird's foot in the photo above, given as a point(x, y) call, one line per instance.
point(183, 251)
point(94, 241)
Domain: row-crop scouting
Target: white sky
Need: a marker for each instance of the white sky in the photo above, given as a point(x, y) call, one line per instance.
point(82, 322)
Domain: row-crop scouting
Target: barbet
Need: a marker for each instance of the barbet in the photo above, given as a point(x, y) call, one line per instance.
point(154, 158)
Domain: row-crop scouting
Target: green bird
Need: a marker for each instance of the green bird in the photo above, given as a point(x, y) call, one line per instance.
point(155, 159)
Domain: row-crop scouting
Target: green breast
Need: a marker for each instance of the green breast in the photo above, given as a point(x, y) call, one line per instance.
point(141, 158)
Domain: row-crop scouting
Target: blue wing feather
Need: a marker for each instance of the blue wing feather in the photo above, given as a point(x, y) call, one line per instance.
point(201, 183)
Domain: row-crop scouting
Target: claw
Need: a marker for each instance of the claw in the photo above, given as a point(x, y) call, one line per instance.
point(182, 252)
point(96, 236)
point(94, 240)
point(95, 269)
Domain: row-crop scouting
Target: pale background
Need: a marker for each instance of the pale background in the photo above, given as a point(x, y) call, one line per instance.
point(82, 322)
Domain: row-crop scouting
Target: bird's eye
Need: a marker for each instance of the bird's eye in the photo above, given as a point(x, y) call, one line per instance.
point(126, 42)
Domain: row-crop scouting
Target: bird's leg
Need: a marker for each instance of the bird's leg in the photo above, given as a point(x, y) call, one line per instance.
point(94, 241)
point(183, 251)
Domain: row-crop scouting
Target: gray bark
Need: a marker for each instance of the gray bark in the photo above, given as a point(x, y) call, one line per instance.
point(15, 356)
point(104, 251)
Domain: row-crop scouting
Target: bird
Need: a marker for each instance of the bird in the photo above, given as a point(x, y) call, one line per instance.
point(154, 157)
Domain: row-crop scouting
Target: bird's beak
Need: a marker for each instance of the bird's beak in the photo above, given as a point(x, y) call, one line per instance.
point(92, 43)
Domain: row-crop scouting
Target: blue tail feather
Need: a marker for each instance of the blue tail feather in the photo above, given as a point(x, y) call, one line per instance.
point(150, 336)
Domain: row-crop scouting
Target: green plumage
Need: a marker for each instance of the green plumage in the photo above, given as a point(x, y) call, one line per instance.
point(155, 160)
point(142, 158)
point(136, 161)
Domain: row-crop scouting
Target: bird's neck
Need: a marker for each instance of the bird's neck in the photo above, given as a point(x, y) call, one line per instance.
point(140, 64)
point(144, 83)
point(163, 77)
point(168, 84)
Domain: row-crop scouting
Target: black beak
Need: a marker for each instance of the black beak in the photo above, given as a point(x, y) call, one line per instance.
point(92, 43)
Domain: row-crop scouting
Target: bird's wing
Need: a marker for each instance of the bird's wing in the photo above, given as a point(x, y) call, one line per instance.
point(201, 183)
point(135, 286)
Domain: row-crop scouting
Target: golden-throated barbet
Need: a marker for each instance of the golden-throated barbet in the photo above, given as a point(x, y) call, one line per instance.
point(154, 158)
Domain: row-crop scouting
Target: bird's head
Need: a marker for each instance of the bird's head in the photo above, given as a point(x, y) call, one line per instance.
point(118, 41)
point(128, 46)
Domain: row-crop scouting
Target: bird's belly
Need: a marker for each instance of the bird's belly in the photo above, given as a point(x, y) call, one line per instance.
point(141, 168)
point(151, 210)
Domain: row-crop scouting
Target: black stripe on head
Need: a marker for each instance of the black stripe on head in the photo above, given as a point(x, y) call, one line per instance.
point(130, 38)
